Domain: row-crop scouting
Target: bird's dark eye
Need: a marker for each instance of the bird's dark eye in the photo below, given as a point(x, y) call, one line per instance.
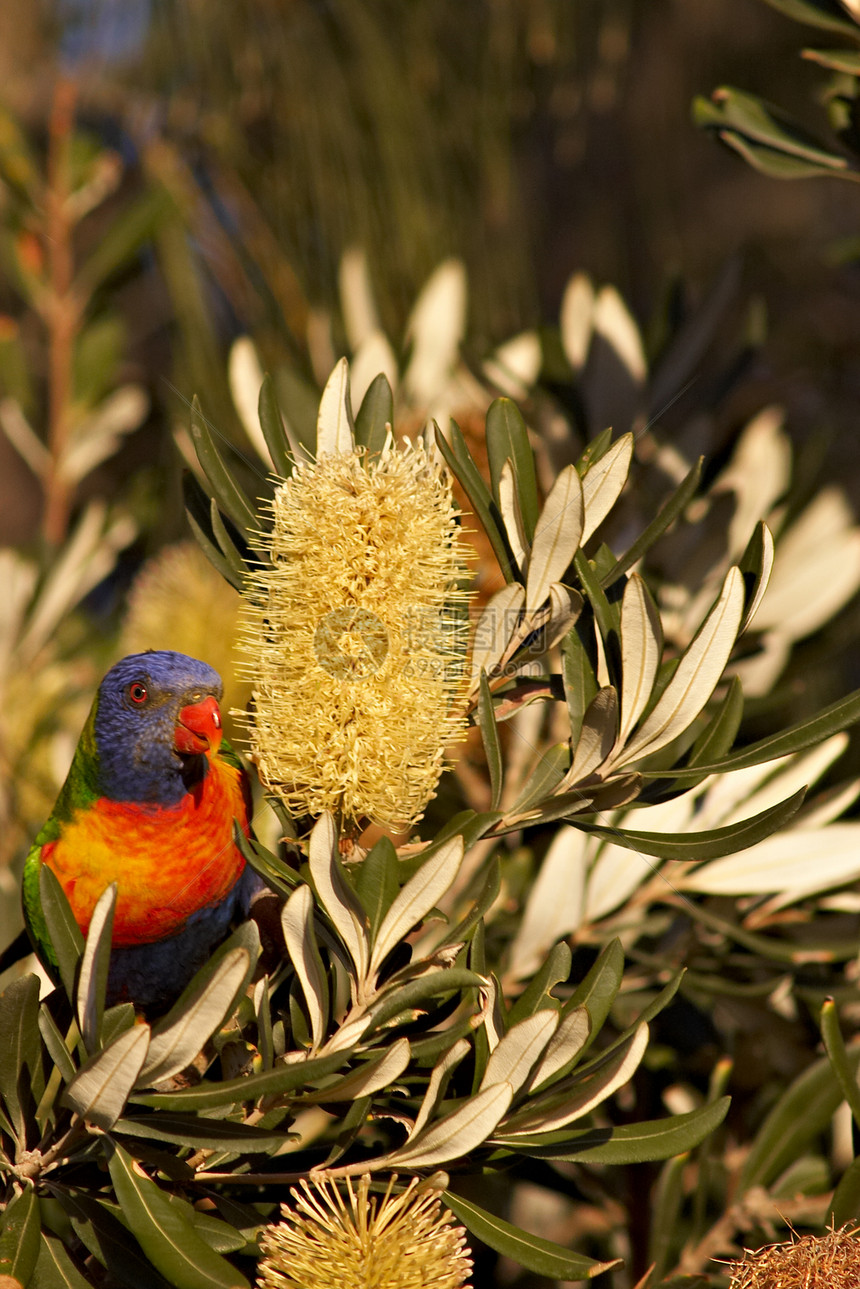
point(137, 692)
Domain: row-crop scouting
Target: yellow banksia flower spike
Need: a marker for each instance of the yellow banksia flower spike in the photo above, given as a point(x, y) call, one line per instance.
point(355, 632)
point(359, 1241)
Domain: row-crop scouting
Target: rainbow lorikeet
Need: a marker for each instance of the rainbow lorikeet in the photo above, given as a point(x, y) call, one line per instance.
point(149, 803)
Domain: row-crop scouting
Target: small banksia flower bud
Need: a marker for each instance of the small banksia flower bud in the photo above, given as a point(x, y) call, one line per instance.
point(359, 1241)
point(355, 631)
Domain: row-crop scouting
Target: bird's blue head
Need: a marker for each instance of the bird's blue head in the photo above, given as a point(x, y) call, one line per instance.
point(155, 718)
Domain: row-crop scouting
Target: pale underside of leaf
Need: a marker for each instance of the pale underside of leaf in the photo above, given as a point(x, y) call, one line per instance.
point(371, 1077)
point(577, 309)
point(419, 895)
point(641, 648)
point(565, 607)
point(175, 1048)
point(557, 536)
point(567, 1041)
point(509, 504)
point(495, 627)
point(93, 964)
point(339, 902)
point(603, 484)
point(617, 1070)
point(335, 427)
point(791, 864)
point(696, 676)
point(554, 905)
point(456, 1135)
point(596, 740)
point(297, 922)
point(514, 1056)
point(99, 1091)
point(441, 1069)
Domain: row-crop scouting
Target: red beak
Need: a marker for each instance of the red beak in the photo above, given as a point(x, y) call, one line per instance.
point(198, 728)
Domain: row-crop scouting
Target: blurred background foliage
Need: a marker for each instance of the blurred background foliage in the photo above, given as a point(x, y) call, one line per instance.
point(177, 176)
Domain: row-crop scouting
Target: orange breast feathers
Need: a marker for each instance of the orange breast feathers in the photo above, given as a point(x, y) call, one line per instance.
point(168, 862)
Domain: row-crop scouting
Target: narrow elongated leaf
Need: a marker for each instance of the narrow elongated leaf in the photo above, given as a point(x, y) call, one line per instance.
point(509, 506)
point(696, 675)
point(227, 492)
point(227, 546)
point(462, 466)
point(338, 898)
point(557, 536)
point(596, 738)
point(818, 13)
point(641, 650)
point(378, 881)
point(598, 991)
point(793, 866)
point(335, 426)
point(370, 1077)
point(530, 1251)
point(55, 1268)
point(564, 1048)
point(495, 628)
point(279, 1081)
point(710, 843)
point(165, 1234)
point(19, 1048)
point(632, 1143)
point(508, 440)
point(759, 123)
point(375, 415)
point(297, 921)
point(66, 938)
point(455, 1135)
point(438, 1081)
point(845, 1205)
point(19, 1237)
point(720, 734)
point(108, 1239)
point(603, 482)
point(755, 565)
point(802, 1112)
point(834, 1044)
point(200, 1132)
point(579, 679)
point(94, 969)
point(436, 984)
point(55, 1044)
point(512, 1059)
point(101, 1087)
point(417, 898)
point(560, 1107)
point(272, 425)
point(676, 504)
point(544, 780)
point(177, 1039)
point(491, 741)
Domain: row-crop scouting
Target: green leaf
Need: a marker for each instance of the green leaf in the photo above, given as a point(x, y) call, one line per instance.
point(632, 1143)
point(109, 1240)
point(66, 938)
point(166, 1236)
point(831, 720)
point(781, 165)
point(802, 1112)
point(827, 14)
point(436, 984)
point(708, 844)
point(720, 733)
point(834, 1045)
point(201, 1133)
point(380, 1072)
point(463, 467)
point(278, 1081)
point(92, 982)
point(378, 882)
point(543, 780)
point(578, 669)
point(606, 616)
point(836, 60)
point(20, 1052)
point(375, 415)
point(597, 992)
point(234, 557)
point(55, 1044)
point(508, 440)
point(538, 992)
point(845, 1205)
point(227, 492)
point(19, 1236)
point(530, 1251)
point(101, 1087)
point(197, 513)
point(666, 1200)
point(271, 868)
point(753, 122)
point(203, 1006)
point(490, 739)
point(272, 426)
point(676, 504)
point(55, 1268)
